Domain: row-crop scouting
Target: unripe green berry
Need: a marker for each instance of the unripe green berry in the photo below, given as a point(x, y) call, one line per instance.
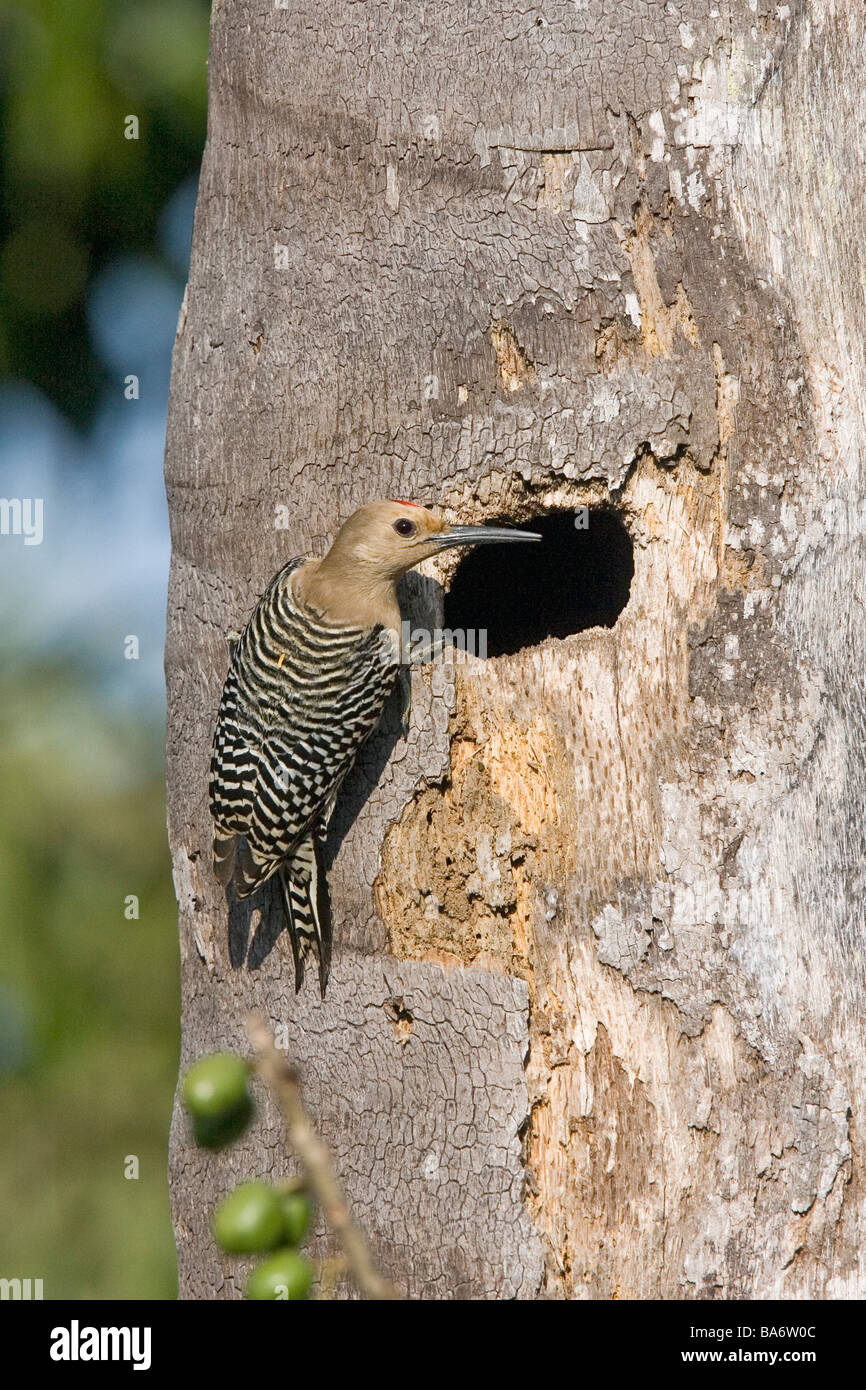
point(218, 1133)
point(216, 1086)
point(285, 1275)
point(249, 1219)
point(297, 1216)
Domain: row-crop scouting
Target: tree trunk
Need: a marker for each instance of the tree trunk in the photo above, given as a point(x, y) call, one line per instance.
point(594, 1026)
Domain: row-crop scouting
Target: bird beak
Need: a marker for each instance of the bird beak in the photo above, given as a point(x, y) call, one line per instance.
point(477, 535)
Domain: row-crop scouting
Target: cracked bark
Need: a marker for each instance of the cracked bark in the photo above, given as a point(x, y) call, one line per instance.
point(595, 1020)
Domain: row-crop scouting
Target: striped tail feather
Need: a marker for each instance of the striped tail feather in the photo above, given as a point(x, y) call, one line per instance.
point(250, 870)
point(224, 854)
point(308, 909)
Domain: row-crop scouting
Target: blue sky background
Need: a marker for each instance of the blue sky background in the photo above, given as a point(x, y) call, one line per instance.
point(94, 244)
point(101, 570)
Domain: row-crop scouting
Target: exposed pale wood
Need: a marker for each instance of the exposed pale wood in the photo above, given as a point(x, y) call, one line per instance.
point(595, 1020)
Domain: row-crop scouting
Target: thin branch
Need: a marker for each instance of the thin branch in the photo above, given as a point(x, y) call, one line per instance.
point(277, 1072)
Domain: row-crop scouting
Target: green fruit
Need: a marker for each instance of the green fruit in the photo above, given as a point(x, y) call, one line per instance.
point(286, 1275)
point(297, 1216)
point(249, 1219)
point(216, 1086)
point(220, 1131)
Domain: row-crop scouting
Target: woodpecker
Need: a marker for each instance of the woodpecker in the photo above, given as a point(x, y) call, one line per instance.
point(308, 680)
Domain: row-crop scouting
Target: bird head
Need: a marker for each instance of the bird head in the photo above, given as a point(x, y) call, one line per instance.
point(388, 538)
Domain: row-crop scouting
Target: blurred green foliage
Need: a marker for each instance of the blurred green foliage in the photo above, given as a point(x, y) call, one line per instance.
point(76, 191)
point(89, 1004)
point(89, 999)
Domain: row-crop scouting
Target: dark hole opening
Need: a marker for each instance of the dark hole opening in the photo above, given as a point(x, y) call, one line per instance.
point(578, 576)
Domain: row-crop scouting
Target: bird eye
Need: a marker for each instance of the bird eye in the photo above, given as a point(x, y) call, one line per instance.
point(405, 527)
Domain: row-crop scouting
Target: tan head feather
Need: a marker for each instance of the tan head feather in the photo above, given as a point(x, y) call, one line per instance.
point(356, 581)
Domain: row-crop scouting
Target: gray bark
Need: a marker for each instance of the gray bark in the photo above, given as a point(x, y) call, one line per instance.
point(595, 1020)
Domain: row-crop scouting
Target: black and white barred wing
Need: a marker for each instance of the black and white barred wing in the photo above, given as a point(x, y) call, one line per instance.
point(301, 697)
